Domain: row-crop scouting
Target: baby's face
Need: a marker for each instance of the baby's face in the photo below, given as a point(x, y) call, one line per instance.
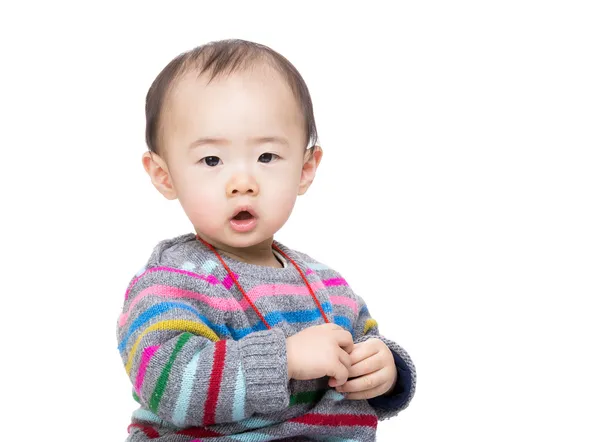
point(236, 144)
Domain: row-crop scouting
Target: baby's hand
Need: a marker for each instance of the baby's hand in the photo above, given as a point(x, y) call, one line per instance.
point(318, 351)
point(374, 369)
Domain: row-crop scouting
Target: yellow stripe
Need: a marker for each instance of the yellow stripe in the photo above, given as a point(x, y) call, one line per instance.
point(172, 324)
point(369, 324)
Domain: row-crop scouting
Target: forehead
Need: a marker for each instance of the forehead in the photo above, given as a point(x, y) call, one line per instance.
point(250, 103)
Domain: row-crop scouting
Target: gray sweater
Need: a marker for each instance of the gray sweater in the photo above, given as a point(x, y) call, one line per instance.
point(204, 366)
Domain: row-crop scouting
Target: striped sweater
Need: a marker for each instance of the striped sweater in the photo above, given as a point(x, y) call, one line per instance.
point(204, 367)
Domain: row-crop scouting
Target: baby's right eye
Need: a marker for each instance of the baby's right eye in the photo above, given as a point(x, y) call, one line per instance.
point(211, 161)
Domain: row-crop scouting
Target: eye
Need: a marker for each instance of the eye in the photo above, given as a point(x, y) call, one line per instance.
point(268, 157)
point(211, 161)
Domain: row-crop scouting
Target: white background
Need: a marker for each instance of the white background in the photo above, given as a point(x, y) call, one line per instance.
point(459, 194)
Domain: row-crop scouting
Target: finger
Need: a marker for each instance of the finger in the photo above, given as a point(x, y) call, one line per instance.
point(342, 377)
point(362, 351)
point(363, 383)
point(367, 394)
point(344, 340)
point(340, 373)
point(345, 360)
point(368, 365)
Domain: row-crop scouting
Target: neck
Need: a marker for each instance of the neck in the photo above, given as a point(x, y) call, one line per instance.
point(260, 254)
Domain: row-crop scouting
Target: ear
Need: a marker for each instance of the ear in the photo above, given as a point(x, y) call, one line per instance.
point(159, 174)
point(312, 159)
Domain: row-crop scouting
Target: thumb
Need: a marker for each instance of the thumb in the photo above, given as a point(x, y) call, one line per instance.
point(333, 383)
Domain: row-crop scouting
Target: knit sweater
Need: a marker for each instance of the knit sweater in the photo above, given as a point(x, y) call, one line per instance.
point(204, 367)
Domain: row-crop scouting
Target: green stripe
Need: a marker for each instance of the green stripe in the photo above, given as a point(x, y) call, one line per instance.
point(161, 384)
point(307, 397)
point(136, 397)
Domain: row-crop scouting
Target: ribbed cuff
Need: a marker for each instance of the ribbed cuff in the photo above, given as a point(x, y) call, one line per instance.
point(264, 360)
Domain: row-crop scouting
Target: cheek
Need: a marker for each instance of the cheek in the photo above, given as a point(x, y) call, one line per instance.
point(283, 186)
point(199, 201)
point(281, 198)
point(286, 178)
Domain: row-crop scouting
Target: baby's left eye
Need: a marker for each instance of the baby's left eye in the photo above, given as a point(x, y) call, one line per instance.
point(267, 157)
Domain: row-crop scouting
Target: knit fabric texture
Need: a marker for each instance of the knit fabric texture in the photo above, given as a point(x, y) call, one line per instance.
point(204, 367)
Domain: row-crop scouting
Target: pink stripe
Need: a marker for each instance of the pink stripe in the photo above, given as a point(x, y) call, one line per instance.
point(224, 304)
point(132, 284)
point(279, 290)
point(294, 290)
point(334, 281)
point(342, 300)
point(230, 304)
point(146, 356)
point(211, 279)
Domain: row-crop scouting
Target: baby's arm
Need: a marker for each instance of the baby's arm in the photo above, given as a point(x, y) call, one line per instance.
point(365, 327)
point(185, 366)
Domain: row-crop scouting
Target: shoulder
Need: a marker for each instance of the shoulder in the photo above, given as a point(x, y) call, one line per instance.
point(182, 252)
point(178, 263)
point(329, 275)
point(179, 252)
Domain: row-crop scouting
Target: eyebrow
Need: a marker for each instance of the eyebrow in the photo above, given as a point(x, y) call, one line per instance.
point(224, 141)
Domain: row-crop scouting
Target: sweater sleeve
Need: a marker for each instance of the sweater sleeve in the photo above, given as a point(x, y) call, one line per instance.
point(388, 406)
point(183, 362)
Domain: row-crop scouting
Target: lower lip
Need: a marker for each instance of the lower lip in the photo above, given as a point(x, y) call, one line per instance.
point(243, 225)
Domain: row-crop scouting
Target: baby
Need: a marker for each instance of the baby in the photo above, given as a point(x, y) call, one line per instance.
point(227, 334)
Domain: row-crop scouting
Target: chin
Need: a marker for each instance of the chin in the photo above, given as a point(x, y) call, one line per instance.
point(244, 241)
point(235, 240)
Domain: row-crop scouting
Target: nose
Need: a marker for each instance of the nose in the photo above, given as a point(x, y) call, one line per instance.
point(242, 184)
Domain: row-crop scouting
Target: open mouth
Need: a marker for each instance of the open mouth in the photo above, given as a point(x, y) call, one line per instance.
point(243, 215)
point(244, 220)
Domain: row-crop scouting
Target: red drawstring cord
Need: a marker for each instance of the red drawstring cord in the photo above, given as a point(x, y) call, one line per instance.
point(305, 281)
point(246, 296)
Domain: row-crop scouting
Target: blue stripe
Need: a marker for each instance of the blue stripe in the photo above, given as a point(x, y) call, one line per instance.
point(236, 333)
point(343, 321)
point(185, 392)
point(239, 398)
point(298, 315)
point(148, 416)
point(293, 317)
point(163, 307)
point(251, 437)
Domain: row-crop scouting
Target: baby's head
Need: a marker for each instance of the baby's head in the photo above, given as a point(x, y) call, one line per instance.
point(230, 128)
